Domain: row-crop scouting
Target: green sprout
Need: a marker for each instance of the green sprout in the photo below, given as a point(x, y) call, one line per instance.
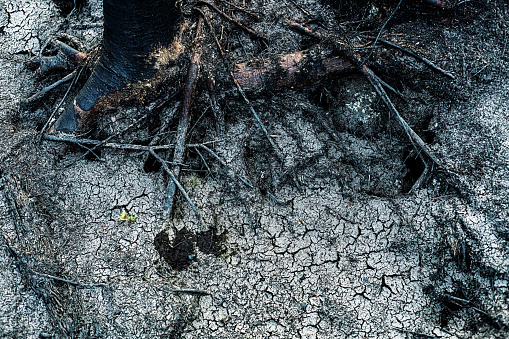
point(126, 217)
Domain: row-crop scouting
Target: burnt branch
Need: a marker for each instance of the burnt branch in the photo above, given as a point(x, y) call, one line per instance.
point(183, 126)
point(301, 68)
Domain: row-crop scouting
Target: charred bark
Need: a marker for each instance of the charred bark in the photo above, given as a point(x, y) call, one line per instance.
point(133, 31)
point(302, 68)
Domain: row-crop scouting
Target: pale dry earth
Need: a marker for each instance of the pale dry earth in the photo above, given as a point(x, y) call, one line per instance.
point(350, 253)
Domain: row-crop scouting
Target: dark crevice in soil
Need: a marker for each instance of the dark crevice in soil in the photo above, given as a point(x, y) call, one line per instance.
point(415, 168)
point(66, 6)
point(93, 156)
point(321, 97)
point(151, 165)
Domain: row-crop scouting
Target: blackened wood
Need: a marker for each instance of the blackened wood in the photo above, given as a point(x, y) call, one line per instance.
point(133, 30)
point(187, 99)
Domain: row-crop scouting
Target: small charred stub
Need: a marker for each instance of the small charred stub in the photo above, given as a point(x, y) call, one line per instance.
point(134, 31)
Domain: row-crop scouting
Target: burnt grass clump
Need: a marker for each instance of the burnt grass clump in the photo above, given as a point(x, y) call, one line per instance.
point(180, 252)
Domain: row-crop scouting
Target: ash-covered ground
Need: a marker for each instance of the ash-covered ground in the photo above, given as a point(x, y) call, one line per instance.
point(334, 241)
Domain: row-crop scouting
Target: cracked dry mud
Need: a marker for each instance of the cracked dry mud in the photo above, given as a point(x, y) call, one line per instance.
point(355, 253)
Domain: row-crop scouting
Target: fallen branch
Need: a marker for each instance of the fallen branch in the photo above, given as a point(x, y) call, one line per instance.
point(187, 97)
point(65, 55)
point(177, 184)
point(130, 147)
point(295, 69)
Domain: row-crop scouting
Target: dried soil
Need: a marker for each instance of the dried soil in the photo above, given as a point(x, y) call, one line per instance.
point(335, 241)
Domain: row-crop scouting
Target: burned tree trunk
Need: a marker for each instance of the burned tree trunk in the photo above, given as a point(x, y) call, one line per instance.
point(134, 32)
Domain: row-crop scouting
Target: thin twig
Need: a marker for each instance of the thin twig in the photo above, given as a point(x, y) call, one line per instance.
point(246, 29)
point(216, 110)
point(24, 266)
point(423, 178)
point(414, 138)
point(468, 303)
point(414, 333)
point(275, 199)
point(108, 139)
point(52, 115)
point(241, 91)
point(88, 149)
point(160, 102)
point(221, 161)
point(205, 143)
point(72, 282)
point(300, 8)
point(418, 57)
point(164, 126)
point(456, 299)
point(113, 145)
point(416, 141)
point(175, 181)
point(242, 45)
point(390, 88)
point(204, 162)
point(46, 89)
point(243, 10)
point(198, 120)
point(187, 290)
point(380, 33)
point(443, 329)
point(325, 123)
